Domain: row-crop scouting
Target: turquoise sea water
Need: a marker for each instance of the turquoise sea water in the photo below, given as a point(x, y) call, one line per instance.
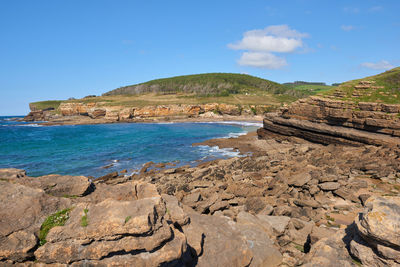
point(86, 149)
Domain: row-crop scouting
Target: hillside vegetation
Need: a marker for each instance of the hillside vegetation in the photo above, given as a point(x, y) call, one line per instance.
point(309, 88)
point(385, 88)
point(216, 84)
point(227, 88)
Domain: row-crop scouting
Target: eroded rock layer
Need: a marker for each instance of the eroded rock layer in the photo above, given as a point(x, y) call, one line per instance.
point(330, 121)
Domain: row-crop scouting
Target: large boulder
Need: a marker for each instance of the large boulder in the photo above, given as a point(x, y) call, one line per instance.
point(330, 252)
point(118, 232)
point(22, 211)
point(59, 185)
point(214, 240)
point(258, 234)
point(377, 239)
point(11, 173)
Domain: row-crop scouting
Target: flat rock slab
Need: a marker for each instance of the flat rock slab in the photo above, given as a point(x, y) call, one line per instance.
point(114, 228)
point(329, 252)
point(380, 221)
point(11, 173)
point(278, 223)
point(59, 185)
point(22, 211)
point(329, 186)
point(216, 242)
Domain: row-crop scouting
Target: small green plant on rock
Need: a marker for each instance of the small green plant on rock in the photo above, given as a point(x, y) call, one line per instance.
point(57, 219)
point(128, 218)
point(299, 247)
point(84, 219)
point(253, 110)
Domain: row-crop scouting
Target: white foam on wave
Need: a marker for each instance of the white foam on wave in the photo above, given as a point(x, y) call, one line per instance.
point(165, 122)
point(28, 125)
point(235, 135)
point(215, 151)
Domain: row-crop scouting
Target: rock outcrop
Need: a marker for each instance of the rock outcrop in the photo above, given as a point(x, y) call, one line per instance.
point(377, 241)
point(22, 211)
point(128, 224)
point(107, 113)
point(330, 121)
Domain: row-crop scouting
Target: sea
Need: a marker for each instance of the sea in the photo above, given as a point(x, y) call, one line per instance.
point(95, 150)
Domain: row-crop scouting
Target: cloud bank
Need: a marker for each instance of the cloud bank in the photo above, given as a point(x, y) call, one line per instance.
point(380, 65)
point(260, 45)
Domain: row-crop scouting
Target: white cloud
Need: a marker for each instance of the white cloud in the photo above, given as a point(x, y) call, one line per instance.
point(262, 60)
point(380, 65)
point(347, 28)
point(267, 43)
point(261, 43)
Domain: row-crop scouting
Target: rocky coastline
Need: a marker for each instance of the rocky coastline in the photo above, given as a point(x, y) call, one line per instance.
point(317, 185)
point(100, 113)
point(289, 202)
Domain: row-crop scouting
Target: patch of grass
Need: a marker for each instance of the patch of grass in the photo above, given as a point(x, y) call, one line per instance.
point(253, 110)
point(299, 247)
point(128, 218)
point(389, 94)
point(357, 262)
point(70, 196)
point(329, 218)
point(46, 104)
point(84, 219)
point(57, 219)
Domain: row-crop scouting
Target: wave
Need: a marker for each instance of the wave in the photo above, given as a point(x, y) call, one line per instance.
point(28, 125)
point(218, 152)
point(235, 135)
point(22, 125)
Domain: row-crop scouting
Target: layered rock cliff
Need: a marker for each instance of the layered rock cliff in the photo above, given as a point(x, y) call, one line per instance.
point(100, 110)
point(325, 120)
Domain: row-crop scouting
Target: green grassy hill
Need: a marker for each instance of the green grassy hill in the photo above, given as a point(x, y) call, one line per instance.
point(216, 84)
point(309, 88)
point(385, 88)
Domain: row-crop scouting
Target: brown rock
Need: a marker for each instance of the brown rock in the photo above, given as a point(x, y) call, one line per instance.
point(278, 223)
point(174, 211)
point(378, 212)
point(134, 228)
point(363, 198)
point(215, 240)
point(192, 199)
point(22, 211)
point(146, 190)
point(299, 179)
point(329, 186)
point(330, 252)
point(97, 113)
point(11, 173)
point(60, 185)
point(219, 205)
point(258, 236)
point(107, 177)
point(346, 194)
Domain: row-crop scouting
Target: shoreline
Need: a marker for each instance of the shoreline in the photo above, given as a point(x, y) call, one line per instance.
point(84, 120)
point(81, 120)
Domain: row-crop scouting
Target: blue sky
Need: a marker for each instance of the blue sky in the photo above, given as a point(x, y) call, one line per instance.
point(59, 49)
